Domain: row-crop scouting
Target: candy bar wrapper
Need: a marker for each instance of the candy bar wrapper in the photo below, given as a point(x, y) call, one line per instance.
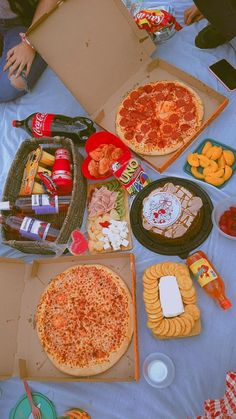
point(131, 175)
point(155, 20)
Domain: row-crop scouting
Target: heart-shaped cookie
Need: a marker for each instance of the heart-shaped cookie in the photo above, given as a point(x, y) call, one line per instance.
point(79, 243)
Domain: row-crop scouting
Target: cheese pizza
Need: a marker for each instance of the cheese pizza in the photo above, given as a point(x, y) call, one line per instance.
point(85, 319)
point(159, 117)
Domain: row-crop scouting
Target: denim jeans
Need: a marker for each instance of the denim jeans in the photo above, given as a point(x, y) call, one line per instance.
point(9, 31)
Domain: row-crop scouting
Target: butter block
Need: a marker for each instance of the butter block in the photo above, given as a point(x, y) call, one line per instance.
point(170, 297)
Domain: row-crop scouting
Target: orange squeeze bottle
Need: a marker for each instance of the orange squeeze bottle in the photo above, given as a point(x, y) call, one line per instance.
point(208, 278)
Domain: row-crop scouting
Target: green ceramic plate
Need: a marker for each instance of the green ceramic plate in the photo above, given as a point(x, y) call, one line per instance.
point(187, 167)
point(22, 410)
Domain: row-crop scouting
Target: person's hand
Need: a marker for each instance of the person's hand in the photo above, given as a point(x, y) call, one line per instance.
point(192, 14)
point(19, 58)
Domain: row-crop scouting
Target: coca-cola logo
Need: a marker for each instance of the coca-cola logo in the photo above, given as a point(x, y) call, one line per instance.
point(38, 124)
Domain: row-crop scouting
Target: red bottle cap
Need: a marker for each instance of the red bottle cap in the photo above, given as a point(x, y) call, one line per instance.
point(225, 304)
point(14, 123)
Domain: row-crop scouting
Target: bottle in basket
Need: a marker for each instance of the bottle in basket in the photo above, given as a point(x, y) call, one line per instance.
point(61, 172)
point(29, 228)
point(41, 125)
point(38, 204)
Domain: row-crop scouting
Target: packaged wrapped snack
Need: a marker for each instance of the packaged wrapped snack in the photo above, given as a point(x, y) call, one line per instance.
point(131, 175)
point(155, 20)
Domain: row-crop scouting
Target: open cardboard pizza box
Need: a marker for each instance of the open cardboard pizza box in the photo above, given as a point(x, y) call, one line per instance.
point(100, 54)
point(21, 287)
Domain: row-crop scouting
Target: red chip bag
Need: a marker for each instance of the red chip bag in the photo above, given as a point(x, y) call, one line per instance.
point(155, 20)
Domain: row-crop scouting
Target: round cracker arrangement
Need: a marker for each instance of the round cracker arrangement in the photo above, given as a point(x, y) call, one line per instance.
point(178, 326)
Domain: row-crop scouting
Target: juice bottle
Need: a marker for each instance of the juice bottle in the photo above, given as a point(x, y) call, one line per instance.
point(208, 278)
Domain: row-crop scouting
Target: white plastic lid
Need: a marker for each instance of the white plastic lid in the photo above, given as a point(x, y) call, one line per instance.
point(158, 370)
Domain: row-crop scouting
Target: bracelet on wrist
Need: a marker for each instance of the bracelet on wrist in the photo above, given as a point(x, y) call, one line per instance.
point(25, 40)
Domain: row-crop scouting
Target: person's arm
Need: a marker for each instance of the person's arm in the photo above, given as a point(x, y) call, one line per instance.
point(192, 14)
point(21, 56)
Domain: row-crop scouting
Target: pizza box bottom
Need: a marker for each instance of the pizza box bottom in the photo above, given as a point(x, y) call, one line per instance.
point(187, 167)
point(21, 352)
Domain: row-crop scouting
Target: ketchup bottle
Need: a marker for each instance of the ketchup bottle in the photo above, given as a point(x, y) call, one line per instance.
point(208, 278)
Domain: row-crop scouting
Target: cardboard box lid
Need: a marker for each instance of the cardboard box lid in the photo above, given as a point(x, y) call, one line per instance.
point(94, 47)
point(12, 280)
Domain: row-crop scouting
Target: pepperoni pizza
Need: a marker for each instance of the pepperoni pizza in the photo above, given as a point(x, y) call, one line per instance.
point(159, 117)
point(85, 319)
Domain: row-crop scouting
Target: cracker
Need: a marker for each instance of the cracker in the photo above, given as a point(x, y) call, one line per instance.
point(193, 310)
point(168, 268)
point(162, 328)
point(153, 270)
point(155, 317)
point(152, 286)
point(191, 300)
point(148, 274)
point(149, 281)
point(153, 324)
point(156, 305)
point(150, 297)
point(158, 270)
point(172, 329)
point(181, 324)
point(178, 327)
point(190, 293)
point(188, 326)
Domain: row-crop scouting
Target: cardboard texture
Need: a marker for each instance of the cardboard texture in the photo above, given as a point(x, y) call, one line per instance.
point(108, 56)
point(22, 285)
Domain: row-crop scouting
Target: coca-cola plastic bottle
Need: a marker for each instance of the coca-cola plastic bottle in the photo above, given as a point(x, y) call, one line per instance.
point(41, 125)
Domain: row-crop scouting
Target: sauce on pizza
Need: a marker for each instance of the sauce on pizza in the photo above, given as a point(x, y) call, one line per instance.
point(84, 319)
point(159, 117)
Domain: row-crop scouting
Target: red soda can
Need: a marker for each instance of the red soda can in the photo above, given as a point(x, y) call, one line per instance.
point(61, 172)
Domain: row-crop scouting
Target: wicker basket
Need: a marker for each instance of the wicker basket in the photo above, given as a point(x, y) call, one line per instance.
point(66, 222)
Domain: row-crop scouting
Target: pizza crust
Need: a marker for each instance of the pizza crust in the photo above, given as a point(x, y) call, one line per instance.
point(95, 367)
point(140, 148)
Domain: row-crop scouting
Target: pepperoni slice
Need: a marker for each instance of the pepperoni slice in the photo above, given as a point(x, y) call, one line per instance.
point(175, 135)
point(128, 104)
point(184, 127)
point(148, 88)
point(124, 122)
point(153, 135)
point(160, 96)
point(138, 138)
point(167, 129)
point(155, 123)
point(173, 118)
point(180, 92)
point(189, 116)
point(159, 87)
point(129, 135)
point(180, 103)
point(124, 112)
point(145, 128)
point(188, 107)
point(134, 95)
point(162, 144)
point(142, 100)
